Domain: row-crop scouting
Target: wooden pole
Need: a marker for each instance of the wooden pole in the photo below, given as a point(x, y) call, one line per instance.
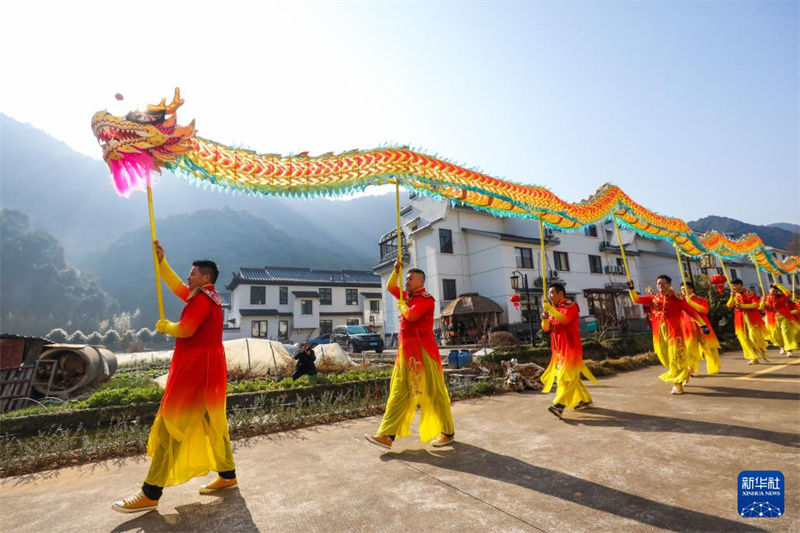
point(399, 233)
point(622, 250)
point(157, 268)
point(758, 273)
point(543, 263)
point(680, 264)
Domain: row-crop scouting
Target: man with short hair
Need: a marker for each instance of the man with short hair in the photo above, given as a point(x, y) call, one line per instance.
point(417, 379)
point(669, 342)
point(699, 345)
point(566, 363)
point(749, 325)
point(783, 326)
point(189, 437)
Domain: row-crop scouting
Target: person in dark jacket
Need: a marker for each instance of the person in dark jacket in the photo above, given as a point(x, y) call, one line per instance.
point(305, 362)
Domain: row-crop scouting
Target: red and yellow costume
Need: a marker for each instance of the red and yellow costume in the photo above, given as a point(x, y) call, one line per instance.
point(699, 345)
point(566, 364)
point(189, 437)
point(417, 378)
point(748, 324)
point(783, 327)
point(669, 341)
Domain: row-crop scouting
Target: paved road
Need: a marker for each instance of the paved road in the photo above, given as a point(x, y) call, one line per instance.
point(643, 460)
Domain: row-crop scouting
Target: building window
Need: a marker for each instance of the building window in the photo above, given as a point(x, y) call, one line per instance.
point(448, 289)
point(283, 330)
point(325, 326)
point(524, 257)
point(595, 264)
point(325, 297)
point(307, 307)
point(620, 263)
point(258, 329)
point(780, 279)
point(352, 322)
point(352, 296)
point(283, 295)
point(590, 231)
point(374, 306)
point(561, 260)
point(445, 241)
point(258, 295)
point(734, 275)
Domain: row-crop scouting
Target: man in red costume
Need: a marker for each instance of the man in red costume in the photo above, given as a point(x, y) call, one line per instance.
point(748, 323)
point(189, 437)
point(566, 363)
point(699, 345)
point(417, 379)
point(782, 325)
point(669, 342)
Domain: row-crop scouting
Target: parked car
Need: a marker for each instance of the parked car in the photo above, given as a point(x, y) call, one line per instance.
point(357, 339)
point(325, 338)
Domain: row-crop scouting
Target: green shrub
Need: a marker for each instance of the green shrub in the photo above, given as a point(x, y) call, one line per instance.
point(116, 397)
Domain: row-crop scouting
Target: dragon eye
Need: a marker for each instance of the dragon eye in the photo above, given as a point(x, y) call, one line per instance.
point(140, 117)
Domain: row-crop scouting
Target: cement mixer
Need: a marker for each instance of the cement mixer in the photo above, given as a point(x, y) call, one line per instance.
point(68, 370)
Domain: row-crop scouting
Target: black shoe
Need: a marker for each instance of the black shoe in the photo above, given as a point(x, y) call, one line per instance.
point(558, 411)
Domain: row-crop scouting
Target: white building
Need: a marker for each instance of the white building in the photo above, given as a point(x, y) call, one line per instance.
point(463, 250)
point(294, 304)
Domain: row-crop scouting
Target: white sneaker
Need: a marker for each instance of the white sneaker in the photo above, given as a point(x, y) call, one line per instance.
point(677, 389)
point(752, 362)
point(789, 354)
point(783, 352)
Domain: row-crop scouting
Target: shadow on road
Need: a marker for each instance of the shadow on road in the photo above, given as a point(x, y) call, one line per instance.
point(643, 423)
point(224, 513)
point(721, 392)
point(484, 463)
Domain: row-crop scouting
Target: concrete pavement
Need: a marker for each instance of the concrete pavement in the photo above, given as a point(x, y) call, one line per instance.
point(642, 460)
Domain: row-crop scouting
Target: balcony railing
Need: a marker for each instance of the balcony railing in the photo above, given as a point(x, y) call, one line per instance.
point(614, 269)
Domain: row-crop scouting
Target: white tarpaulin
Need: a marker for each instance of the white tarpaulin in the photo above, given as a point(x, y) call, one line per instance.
point(262, 357)
point(333, 354)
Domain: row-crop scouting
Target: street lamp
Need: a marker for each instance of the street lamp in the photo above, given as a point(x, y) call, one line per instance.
point(515, 275)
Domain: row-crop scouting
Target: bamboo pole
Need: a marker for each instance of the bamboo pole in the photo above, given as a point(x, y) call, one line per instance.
point(399, 234)
point(622, 250)
point(543, 263)
point(680, 264)
point(758, 273)
point(156, 266)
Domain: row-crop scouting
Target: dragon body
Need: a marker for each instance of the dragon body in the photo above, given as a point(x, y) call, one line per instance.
point(148, 141)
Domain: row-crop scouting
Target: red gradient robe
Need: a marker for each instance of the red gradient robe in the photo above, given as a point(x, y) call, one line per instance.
point(705, 346)
point(782, 325)
point(749, 325)
point(669, 341)
point(190, 434)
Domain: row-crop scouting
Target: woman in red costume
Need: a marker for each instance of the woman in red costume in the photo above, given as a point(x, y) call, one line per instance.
point(417, 379)
point(189, 437)
point(566, 364)
point(669, 341)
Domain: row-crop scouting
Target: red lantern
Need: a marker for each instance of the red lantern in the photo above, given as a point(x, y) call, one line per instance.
point(515, 300)
point(718, 280)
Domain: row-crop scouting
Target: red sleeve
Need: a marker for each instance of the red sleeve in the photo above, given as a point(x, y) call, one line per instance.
point(418, 308)
point(647, 299)
point(571, 313)
point(195, 313)
point(704, 303)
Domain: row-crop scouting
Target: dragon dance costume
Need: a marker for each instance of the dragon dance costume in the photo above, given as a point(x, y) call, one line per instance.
point(566, 363)
point(669, 341)
point(698, 344)
point(189, 437)
point(417, 378)
point(749, 326)
point(783, 327)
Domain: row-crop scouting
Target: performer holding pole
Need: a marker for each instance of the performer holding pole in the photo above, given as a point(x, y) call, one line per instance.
point(668, 339)
point(783, 327)
point(189, 437)
point(748, 323)
point(691, 331)
point(707, 344)
point(560, 317)
point(418, 378)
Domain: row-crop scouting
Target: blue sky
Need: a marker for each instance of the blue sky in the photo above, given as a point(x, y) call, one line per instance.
point(690, 107)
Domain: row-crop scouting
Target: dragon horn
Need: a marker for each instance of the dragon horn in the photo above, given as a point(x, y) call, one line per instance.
point(167, 109)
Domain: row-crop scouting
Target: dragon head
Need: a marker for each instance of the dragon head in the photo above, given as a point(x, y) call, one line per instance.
point(142, 142)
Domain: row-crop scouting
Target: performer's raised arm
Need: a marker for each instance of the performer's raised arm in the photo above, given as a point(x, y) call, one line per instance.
point(393, 286)
point(169, 276)
point(641, 300)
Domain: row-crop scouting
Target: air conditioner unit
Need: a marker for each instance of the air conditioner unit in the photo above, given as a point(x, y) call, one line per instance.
point(549, 232)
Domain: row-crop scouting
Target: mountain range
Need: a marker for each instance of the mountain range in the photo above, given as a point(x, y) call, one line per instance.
point(781, 235)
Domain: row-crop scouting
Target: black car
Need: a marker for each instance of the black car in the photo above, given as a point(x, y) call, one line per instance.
point(357, 339)
point(325, 338)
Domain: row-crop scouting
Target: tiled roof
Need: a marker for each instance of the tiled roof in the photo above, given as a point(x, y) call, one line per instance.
point(371, 295)
point(226, 299)
point(258, 312)
point(303, 276)
point(306, 294)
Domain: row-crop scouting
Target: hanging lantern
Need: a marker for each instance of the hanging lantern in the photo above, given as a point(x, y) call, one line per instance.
point(718, 281)
point(515, 300)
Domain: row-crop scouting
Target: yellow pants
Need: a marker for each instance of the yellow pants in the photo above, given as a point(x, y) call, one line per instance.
point(784, 334)
point(423, 386)
point(201, 451)
point(752, 341)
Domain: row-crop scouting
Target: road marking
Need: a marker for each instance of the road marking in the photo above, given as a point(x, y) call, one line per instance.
point(751, 377)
